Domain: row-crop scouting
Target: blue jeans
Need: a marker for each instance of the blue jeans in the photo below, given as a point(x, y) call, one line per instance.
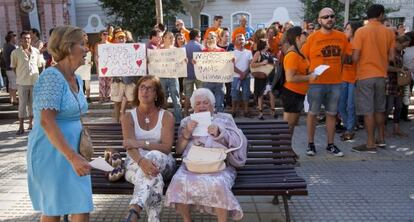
point(245, 89)
point(324, 94)
point(218, 90)
point(171, 88)
point(346, 106)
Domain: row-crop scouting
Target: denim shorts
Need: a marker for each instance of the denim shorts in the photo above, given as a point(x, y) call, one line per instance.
point(238, 84)
point(326, 95)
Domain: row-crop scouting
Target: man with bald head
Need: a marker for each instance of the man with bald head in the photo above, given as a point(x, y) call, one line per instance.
point(325, 47)
point(179, 24)
point(244, 29)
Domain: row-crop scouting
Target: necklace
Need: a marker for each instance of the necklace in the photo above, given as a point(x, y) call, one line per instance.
point(147, 116)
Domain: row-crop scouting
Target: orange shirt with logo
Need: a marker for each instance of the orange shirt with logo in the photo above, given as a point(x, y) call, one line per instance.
point(326, 49)
point(349, 70)
point(374, 42)
point(293, 61)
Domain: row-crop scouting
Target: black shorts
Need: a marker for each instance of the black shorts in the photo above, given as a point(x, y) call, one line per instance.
point(292, 102)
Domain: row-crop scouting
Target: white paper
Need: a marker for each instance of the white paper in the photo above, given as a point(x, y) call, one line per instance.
point(100, 164)
point(204, 121)
point(320, 69)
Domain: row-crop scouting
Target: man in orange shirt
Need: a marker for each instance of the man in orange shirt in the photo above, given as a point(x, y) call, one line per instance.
point(325, 46)
point(244, 29)
point(373, 49)
point(218, 19)
point(179, 24)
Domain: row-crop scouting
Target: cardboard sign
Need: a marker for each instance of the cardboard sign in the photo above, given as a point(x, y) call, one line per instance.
point(214, 66)
point(167, 63)
point(123, 59)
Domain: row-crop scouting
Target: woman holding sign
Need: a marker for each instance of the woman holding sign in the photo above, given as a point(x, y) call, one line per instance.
point(171, 86)
point(148, 132)
point(216, 88)
point(208, 192)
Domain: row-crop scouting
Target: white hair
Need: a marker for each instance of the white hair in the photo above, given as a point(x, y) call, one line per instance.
point(203, 92)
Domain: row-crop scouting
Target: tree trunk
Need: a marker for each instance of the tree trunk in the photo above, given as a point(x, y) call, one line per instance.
point(158, 10)
point(194, 9)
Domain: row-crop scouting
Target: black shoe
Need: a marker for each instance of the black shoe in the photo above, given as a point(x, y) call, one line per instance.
point(88, 100)
point(311, 150)
point(339, 128)
point(334, 150)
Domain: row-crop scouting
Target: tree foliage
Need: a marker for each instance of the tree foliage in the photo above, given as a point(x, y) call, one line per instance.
point(357, 9)
point(139, 16)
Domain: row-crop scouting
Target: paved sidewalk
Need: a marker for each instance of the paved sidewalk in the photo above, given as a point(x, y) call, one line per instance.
point(357, 187)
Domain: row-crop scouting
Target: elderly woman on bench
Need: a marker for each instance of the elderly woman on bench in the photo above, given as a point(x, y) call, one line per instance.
point(208, 192)
point(148, 132)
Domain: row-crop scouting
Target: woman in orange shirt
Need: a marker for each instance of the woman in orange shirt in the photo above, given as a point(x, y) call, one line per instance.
point(346, 106)
point(297, 77)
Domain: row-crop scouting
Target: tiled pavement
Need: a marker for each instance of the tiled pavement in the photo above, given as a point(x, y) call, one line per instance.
point(357, 187)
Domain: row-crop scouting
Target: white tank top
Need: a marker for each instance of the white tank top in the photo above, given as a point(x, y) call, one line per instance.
point(153, 135)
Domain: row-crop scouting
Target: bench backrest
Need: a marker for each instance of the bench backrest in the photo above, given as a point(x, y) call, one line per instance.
point(268, 142)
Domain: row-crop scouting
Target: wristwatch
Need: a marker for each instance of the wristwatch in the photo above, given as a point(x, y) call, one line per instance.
point(147, 143)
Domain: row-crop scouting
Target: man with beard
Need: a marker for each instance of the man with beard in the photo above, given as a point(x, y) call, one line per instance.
point(325, 47)
point(373, 48)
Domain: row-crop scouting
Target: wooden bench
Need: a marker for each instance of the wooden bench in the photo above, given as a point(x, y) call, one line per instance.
point(269, 170)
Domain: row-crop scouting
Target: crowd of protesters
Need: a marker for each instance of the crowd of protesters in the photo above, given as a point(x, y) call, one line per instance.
point(365, 83)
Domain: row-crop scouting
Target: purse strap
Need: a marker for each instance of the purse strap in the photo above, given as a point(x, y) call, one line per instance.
point(236, 148)
point(77, 100)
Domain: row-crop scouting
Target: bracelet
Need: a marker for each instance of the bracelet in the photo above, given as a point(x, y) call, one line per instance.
point(140, 159)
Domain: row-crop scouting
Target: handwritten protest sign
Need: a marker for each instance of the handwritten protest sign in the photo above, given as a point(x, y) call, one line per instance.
point(167, 63)
point(126, 59)
point(214, 66)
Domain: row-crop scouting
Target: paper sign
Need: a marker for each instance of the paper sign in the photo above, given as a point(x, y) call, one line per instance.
point(123, 59)
point(320, 69)
point(204, 121)
point(100, 164)
point(214, 66)
point(167, 63)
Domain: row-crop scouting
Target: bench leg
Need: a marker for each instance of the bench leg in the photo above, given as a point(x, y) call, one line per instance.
point(286, 205)
point(275, 200)
point(65, 218)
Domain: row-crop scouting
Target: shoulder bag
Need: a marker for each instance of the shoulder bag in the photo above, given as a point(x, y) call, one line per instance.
point(207, 160)
point(85, 144)
point(261, 72)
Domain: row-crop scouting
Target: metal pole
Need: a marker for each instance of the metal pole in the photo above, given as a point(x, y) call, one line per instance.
point(158, 10)
point(346, 17)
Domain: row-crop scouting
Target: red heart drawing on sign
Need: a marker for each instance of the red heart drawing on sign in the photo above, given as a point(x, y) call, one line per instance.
point(136, 46)
point(104, 70)
point(139, 62)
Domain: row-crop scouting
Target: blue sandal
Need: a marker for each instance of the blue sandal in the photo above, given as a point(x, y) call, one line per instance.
point(131, 212)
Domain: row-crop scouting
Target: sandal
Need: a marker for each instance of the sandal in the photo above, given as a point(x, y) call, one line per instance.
point(20, 132)
point(260, 115)
point(131, 212)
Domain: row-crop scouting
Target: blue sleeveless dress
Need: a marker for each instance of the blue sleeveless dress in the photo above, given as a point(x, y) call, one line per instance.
point(54, 187)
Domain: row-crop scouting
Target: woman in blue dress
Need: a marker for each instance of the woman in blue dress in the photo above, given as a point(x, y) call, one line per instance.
point(58, 176)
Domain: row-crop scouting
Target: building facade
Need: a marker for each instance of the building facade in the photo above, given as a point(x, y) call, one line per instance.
point(17, 15)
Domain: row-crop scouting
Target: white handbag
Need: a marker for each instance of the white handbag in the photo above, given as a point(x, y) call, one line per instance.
point(206, 160)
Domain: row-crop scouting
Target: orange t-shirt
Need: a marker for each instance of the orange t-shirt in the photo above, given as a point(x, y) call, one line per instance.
point(349, 70)
point(293, 61)
point(186, 34)
point(326, 49)
point(212, 29)
point(274, 46)
point(374, 42)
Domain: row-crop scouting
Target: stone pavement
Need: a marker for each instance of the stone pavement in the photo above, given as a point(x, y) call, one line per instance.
point(358, 187)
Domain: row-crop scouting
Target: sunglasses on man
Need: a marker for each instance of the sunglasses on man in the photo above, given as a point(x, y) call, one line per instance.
point(328, 16)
